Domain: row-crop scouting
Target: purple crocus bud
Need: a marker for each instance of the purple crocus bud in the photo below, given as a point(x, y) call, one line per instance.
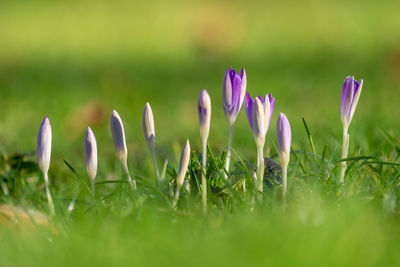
point(148, 127)
point(204, 106)
point(350, 95)
point(284, 136)
point(183, 164)
point(233, 91)
point(90, 146)
point(118, 134)
point(44, 146)
point(268, 104)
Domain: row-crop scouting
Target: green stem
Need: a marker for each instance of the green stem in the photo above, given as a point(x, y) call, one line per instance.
point(284, 180)
point(345, 150)
point(228, 151)
point(132, 183)
point(153, 156)
point(203, 178)
point(48, 194)
point(260, 169)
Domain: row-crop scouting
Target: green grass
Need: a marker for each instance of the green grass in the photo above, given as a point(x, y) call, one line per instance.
point(76, 61)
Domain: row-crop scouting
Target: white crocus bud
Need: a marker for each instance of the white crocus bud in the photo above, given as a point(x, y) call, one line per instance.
point(44, 155)
point(259, 121)
point(148, 127)
point(204, 106)
point(284, 139)
point(118, 134)
point(150, 135)
point(183, 166)
point(44, 146)
point(284, 136)
point(90, 146)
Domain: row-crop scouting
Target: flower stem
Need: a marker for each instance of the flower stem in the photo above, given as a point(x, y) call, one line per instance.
point(49, 198)
point(260, 169)
point(176, 197)
point(203, 178)
point(284, 180)
point(93, 184)
point(345, 150)
point(228, 151)
point(132, 183)
point(153, 156)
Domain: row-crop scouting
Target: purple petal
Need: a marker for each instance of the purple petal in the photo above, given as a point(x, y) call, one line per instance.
point(271, 105)
point(248, 104)
point(345, 92)
point(356, 85)
point(283, 134)
point(262, 100)
point(236, 90)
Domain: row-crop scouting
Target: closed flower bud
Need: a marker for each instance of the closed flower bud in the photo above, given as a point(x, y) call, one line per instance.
point(259, 123)
point(233, 91)
point(351, 92)
point(44, 146)
point(90, 146)
point(204, 106)
point(118, 134)
point(284, 138)
point(148, 126)
point(183, 164)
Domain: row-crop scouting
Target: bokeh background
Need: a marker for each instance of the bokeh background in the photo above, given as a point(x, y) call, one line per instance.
point(76, 61)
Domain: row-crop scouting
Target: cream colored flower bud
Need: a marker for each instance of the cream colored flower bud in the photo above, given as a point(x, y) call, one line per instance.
point(204, 106)
point(44, 146)
point(259, 127)
point(183, 164)
point(118, 134)
point(148, 127)
point(90, 146)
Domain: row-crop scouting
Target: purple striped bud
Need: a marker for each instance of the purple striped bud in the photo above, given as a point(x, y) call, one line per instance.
point(284, 136)
point(148, 126)
point(233, 91)
point(183, 164)
point(267, 104)
point(118, 134)
point(351, 92)
point(204, 106)
point(44, 145)
point(90, 146)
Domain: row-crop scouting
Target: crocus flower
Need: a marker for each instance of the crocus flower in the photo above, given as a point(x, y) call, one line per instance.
point(90, 146)
point(204, 106)
point(259, 112)
point(268, 107)
point(183, 166)
point(44, 154)
point(284, 139)
point(351, 92)
point(148, 126)
point(150, 135)
point(233, 91)
point(118, 134)
point(44, 145)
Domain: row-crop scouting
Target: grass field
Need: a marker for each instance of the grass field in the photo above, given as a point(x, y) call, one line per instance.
point(76, 61)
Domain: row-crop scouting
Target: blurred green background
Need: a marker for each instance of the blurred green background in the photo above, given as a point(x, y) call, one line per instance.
point(75, 61)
